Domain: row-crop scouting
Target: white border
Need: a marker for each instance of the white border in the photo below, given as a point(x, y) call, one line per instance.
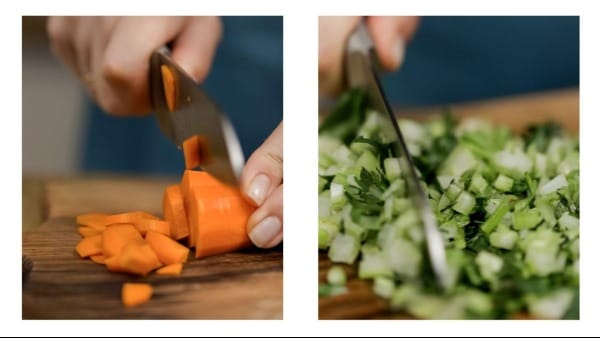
point(300, 107)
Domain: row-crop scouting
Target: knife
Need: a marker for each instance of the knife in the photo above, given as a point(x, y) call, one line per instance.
point(361, 72)
point(192, 113)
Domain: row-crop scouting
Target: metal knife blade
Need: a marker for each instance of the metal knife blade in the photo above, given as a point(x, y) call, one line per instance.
point(361, 72)
point(195, 114)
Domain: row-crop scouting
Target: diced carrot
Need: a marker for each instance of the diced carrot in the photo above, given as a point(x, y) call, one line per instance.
point(174, 212)
point(93, 219)
point(167, 250)
point(169, 87)
point(144, 225)
point(134, 294)
point(100, 259)
point(190, 179)
point(196, 151)
point(115, 237)
point(219, 217)
point(100, 220)
point(170, 270)
point(86, 231)
point(138, 259)
point(129, 217)
point(113, 263)
point(89, 246)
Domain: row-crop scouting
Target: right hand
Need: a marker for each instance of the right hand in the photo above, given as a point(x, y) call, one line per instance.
point(111, 55)
point(390, 35)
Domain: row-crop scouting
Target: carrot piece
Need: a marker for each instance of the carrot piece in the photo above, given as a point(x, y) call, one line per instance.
point(135, 258)
point(93, 219)
point(219, 217)
point(115, 237)
point(174, 212)
point(138, 259)
point(100, 259)
point(169, 87)
point(167, 250)
point(144, 225)
point(89, 246)
point(129, 217)
point(170, 270)
point(134, 294)
point(86, 231)
point(189, 180)
point(113, 263)
point(196, 151)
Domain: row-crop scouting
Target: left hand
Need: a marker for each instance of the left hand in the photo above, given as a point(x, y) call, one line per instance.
point(262, 185)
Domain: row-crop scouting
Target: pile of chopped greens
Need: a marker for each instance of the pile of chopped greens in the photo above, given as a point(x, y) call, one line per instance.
point(507, 206)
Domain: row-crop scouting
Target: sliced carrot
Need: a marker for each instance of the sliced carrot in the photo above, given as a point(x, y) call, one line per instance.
point(174, 212)
point(134, 294)
point(93, 219)
point(89, 246)
point(144, 225)
point(115, 237)
point(100, 259)
point(129, 217)
point(167, 250)
point(113, 263)
point(170, 270)
point(138, 259)
point(169, 87)
point(196, 151)
point(190, 179)
point(219, 217)
point(86, 231)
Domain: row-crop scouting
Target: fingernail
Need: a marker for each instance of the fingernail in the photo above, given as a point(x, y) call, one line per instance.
point(265, 231)
point(398, 52)
point(259, 188)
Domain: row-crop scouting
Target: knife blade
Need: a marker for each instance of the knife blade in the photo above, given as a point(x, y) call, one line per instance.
point(361, 72)
point(194, 113)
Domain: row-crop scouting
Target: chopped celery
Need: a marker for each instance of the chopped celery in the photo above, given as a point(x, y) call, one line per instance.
point(507, 207)
point(344, 249)
point(383, 287)
point(336, 275)
point(465, 203)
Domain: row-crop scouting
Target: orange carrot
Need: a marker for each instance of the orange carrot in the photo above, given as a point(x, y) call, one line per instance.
point(192, 179)
point(100, 259)
point(167, 250)
point(134, 294)
point(93, 219)
point(219, 217)
point(89, 246)
point(129, 217)
point(174, 212)
point(86, 231)
point(170, 270)
point(144, 225)
point(113, 263)
point(115, 237)
point(100, 220)
point(138, 259)
point(196, 151)
point(169, 87)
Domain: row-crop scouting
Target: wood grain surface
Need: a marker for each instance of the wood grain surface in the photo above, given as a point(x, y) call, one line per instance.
point(242, 285)
point(516, 112)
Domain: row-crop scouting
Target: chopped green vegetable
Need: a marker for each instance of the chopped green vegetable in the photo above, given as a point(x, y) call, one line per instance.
point(507, 207)
point(336, 276)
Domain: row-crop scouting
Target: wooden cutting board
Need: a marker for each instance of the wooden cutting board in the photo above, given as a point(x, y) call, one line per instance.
point(242, 285)
point(516, 112)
